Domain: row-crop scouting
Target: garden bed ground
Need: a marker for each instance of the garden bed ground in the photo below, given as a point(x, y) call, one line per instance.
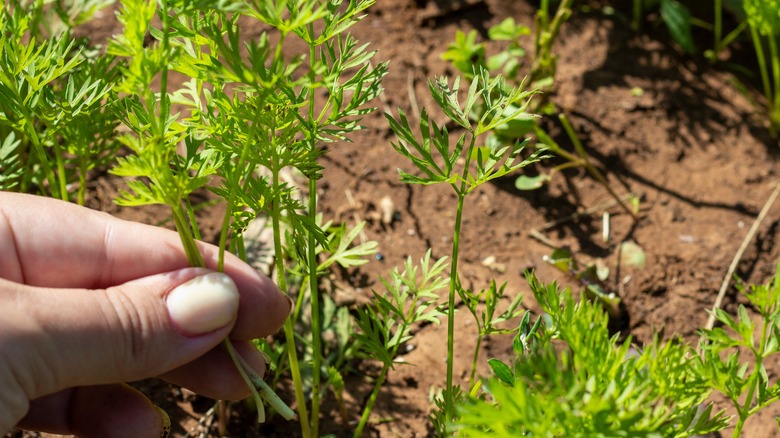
point(690, 145)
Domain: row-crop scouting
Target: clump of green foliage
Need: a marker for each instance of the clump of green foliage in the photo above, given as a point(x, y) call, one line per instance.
point(246, 113)
point(571, 377)
point(54, 128)
point(745, 381)
point(253, 112)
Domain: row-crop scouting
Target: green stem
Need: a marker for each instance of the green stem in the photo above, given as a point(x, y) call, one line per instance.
point(594, 172)
point(718, 27)
point(41, 153)
point(289, 332)
point(267, 393)
point(774, 106)
point(451, 304)
point(62, 180)
point(636, 22)
point(371, 400)
point(316, 324)
point(187, 239)
point(223, 234)
point(461, 192)
point(191, 217)
point(762, 67)
point(473, 376)
point(242, 370)
point(164, 74)
point(731, 36)
point(311, 261)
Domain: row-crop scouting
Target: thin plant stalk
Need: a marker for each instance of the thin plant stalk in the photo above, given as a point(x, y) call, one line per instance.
point(718, 27)
point(475, 359)
point(289, 330)
point(193, 221)
point(380, 380)
point(461, 193)
point(316, 324)
point(451, 295)
point(595, 173)
point(636, 21)
point(773, 99)
point(187, 238)
point(62, 179)
point(743, 412)
point(311, 256)
point(774, 109)
point(578, 160)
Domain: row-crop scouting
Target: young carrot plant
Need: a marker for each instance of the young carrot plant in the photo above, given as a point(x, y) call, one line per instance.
point(745, 381)
point(488, 323)
point(571, 377)
point(467, 56)
point(410, 298)
point(52, 88)
point(437, 161)
point(256, 113)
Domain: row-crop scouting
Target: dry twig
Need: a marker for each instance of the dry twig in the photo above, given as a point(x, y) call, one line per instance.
point(738, 256)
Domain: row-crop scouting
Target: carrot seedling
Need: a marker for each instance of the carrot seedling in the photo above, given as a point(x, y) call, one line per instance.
point(256, 114)
point(437, 161)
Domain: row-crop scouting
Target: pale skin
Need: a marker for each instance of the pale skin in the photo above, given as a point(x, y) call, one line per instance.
point(83, 309)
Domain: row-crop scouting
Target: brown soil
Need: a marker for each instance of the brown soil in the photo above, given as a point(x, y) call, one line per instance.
point(691, 145)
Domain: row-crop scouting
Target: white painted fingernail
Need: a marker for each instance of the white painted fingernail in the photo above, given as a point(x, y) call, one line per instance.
point(203, 304)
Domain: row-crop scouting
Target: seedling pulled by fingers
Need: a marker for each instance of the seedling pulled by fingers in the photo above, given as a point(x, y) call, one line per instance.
point(254, 113)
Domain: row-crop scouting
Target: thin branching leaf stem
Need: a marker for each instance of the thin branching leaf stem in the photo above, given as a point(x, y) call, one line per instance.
point(311, 258)
point(746, 409)
point(42, 157)
point(461, 192)
point(289, 330)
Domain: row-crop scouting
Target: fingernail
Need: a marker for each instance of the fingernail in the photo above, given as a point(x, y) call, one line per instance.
point(166, 423)
point(203, 304)
point(292, 304)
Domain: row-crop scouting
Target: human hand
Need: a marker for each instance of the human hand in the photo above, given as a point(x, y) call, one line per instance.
point(88, 301)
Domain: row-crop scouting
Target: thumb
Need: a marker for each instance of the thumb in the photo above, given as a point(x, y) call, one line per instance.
point(61, 338)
